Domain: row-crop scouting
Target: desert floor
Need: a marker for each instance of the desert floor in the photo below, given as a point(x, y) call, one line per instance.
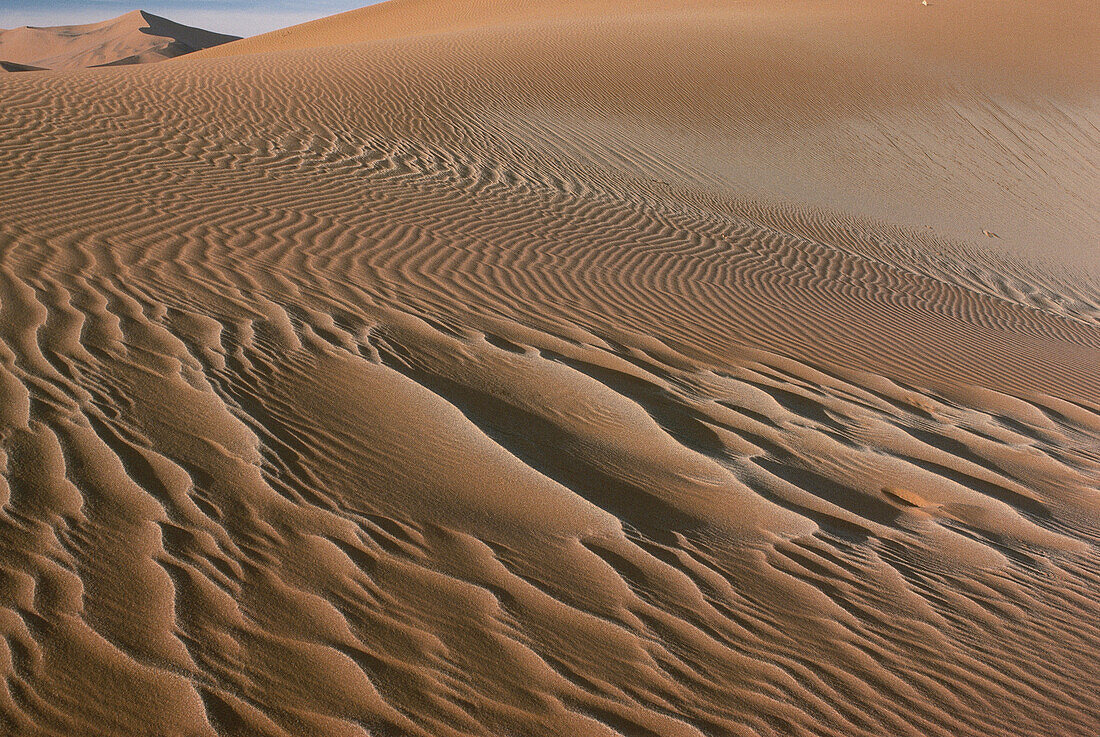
point(559, 368)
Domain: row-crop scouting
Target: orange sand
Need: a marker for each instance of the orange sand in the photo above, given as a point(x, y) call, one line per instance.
point(559, 368)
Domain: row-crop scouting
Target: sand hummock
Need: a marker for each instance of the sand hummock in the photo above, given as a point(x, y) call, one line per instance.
point(558, 368)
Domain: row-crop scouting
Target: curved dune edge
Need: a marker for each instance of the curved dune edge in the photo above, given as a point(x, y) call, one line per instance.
point(136, 37)
point(439, 386)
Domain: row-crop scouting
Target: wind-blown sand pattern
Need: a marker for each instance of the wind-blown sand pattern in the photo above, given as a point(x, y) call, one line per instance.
point(540, 369)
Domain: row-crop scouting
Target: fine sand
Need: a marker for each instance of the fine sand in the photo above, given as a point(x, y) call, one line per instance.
point(554, 368)
point(134, 38)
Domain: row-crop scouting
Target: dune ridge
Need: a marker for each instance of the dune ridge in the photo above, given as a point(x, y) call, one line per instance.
point(539, 373)
point(136, 37)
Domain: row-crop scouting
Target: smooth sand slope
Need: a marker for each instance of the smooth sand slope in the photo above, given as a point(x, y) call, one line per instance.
point(134, 38)
point(546, 368)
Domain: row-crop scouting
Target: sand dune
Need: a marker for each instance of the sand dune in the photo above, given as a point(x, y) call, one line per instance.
point(548, 369)
point(10, 66)
point(134, 38)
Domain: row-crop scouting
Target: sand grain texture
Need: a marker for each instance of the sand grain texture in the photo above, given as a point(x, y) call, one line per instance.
point(549, 369)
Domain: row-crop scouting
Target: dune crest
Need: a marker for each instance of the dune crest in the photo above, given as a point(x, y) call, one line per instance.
point(451, 369)
point(136, 37)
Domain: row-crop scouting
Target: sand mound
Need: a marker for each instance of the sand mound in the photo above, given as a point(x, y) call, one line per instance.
point(10, 66)
point(134, 38)
point(543, 369)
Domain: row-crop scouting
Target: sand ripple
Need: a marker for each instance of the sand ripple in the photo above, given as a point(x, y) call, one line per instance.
point(338, 396)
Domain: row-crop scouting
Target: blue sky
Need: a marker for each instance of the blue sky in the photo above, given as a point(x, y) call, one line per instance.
point(239, 17)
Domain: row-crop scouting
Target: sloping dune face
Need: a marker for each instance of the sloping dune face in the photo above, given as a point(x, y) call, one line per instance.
point(134, 38)
point(545, 369)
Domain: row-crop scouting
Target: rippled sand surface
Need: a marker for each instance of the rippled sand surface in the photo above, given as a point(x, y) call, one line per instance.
point(555, 368)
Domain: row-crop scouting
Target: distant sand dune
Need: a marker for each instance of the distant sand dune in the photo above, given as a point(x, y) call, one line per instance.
point(533, 369)
point(134, 38)
point(10, 66)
